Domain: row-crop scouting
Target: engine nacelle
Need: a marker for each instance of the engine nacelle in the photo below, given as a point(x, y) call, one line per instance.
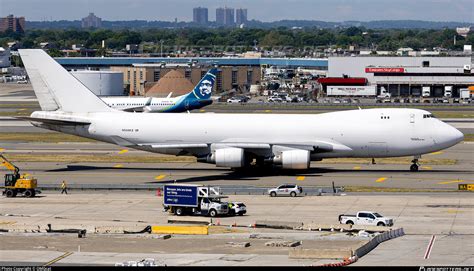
point(229, 157)
point(293, 159)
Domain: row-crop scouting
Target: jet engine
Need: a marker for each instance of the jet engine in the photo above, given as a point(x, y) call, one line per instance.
point(293, 159)
point(228, 157)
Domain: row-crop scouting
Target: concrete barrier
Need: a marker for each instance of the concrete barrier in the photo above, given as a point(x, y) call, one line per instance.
point(317, 227)
point(189, 220)
point(374, 242)
point(371, 228)
point(304, 253)
point(278, 224)
point(195, 230)
point(283, 243)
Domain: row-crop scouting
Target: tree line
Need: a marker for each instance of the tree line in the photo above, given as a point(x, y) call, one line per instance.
point(245, 39)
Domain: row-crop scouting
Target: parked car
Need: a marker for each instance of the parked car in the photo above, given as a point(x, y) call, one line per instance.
point(455, 100)
point(387, 100)
point(396, 100)
point(237, 208)
point(22, 82)
point(366, 218)
point(234, 100)
point(336, 101)
point(446, 101)
point(275, 99)
point(291, 190)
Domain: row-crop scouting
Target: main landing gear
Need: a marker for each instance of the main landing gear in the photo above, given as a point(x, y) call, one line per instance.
point(415, 165)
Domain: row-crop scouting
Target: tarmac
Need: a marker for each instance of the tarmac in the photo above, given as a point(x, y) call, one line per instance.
point(425, 204)
point(431, 177)
point(448, 216)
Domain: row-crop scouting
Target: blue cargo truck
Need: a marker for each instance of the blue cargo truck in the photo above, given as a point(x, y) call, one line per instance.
point(191, 199)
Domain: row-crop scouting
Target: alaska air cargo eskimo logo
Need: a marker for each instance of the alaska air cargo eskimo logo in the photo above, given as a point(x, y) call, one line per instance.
point(205, 88)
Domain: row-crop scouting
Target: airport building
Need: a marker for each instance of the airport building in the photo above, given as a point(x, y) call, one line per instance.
point(140, 73)
point(403, 76)
point(140, 78)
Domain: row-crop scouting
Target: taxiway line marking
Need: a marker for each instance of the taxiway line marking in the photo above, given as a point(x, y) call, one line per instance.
point(300, 178)
point(425, 167)
point(435, 153)
point(430, 247)
point(454, 181)
point(357, 168)
point(57, 259)
point(118, 166)
point(2, 149)
point(123, 151)
point(159, 177)
point(379, 180)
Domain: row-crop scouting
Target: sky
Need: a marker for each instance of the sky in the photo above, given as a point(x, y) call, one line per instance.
point(263, 10)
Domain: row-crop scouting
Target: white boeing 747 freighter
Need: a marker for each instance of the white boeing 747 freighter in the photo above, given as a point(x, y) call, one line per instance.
point(234, 140)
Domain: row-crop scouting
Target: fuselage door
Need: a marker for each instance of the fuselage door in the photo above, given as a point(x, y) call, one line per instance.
point(412, 118)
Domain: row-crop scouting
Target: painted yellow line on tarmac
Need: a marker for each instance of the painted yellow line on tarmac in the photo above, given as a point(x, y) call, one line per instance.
point(379, 180)
point(118, 166)
point(123, 151)
point(425, 167)
point(159, 177)
point(435, 153)
point(2, 149)
point(454, 181)
point(454, 211)
point(300, 178)
point(22, 109)
point(268, 110)
point(57, 259)
point(202, 110)
point(356, 168)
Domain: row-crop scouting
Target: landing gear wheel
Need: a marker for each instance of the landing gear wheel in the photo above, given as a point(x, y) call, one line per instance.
point(414, 166)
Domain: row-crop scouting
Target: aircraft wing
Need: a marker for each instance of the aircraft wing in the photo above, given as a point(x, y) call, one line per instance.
point(312, 146)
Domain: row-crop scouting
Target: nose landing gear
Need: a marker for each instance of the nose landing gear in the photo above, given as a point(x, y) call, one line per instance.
point(415, 165)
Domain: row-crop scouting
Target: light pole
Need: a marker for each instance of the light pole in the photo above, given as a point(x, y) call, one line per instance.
point(161, 48)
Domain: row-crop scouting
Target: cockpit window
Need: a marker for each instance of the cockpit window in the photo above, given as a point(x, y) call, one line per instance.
point(426, 116)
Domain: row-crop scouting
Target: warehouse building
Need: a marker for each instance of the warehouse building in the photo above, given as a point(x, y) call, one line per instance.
point(406, 76)
point(139, 78)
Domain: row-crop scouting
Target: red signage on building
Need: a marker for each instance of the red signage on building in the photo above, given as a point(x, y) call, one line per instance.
point(384, 70)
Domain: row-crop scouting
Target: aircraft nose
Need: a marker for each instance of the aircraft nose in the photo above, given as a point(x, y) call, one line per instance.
point(452, 136)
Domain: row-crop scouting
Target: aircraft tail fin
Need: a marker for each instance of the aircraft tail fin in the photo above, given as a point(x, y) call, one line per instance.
point(203, 89)
point(56, 88)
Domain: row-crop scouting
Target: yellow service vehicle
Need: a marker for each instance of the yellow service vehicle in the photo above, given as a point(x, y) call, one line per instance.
point(17, 184)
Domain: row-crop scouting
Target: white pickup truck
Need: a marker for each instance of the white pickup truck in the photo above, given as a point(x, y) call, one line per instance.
point(366, 218)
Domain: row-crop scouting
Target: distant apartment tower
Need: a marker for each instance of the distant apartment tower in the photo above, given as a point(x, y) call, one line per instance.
point(241, 16)
point(200, 15)
point(91, 21)
point(225, 16)
point(15, 24)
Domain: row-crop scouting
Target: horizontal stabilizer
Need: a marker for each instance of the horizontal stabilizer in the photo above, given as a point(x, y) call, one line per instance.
point(55, 121)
